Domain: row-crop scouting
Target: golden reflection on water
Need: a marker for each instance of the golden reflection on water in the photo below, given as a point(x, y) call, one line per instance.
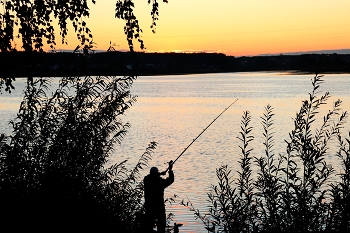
point(177, 121)
point(9, 106)
point(173, 110)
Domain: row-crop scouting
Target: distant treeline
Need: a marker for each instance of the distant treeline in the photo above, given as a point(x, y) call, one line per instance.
point(20, 64)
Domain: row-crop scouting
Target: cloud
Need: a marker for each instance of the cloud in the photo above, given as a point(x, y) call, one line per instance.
point(338, 51)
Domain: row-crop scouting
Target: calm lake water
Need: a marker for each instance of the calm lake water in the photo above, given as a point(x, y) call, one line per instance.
point(173, 110)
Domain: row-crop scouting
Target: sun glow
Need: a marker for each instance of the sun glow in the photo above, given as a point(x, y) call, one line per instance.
point(238, 28)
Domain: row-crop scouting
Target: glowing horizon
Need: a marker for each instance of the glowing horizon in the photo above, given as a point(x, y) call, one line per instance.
point(235, 28)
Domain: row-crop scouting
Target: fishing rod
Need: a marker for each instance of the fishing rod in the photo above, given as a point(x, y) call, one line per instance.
point(200, 135)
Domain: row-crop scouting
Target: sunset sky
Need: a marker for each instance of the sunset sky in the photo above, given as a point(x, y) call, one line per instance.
point(232, 27)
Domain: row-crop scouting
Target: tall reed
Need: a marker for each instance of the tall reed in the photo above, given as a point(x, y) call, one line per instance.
point(292, 191)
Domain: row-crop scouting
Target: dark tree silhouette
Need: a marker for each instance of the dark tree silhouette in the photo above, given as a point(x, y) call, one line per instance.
point(34, 20)
point(53, 166)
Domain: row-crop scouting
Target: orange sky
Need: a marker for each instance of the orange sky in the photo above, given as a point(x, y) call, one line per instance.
point(233, 27)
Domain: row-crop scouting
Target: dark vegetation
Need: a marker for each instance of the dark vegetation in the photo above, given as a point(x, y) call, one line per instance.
point(34, 21)
point(292, 191)
point(53, 167)
point(20, 64)
point(54, 174)
point(54, 170)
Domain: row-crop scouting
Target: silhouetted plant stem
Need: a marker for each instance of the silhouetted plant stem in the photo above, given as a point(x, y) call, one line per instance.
point(340, 191)
point(291, 192)
point(268, 182)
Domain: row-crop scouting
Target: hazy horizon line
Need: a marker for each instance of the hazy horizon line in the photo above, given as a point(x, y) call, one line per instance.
point(326, 51)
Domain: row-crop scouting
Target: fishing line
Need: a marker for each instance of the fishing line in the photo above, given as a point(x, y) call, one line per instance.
point(201, 133)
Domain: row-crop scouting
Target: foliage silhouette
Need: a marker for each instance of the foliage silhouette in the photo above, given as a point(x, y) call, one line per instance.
point(34, 21)
point(340, 191)
point(53, 166)
point(292, 192)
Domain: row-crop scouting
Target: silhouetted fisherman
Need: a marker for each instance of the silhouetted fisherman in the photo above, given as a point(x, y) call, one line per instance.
point(154, 197)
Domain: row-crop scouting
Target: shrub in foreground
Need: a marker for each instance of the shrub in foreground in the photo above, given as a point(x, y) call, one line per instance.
point(53, 173)
point(292, 191)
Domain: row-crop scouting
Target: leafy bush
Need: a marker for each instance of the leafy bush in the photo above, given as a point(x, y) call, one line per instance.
point(53, 173)
point(292, 192)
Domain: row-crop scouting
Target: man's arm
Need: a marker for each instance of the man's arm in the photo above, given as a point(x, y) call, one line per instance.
point(168, 181)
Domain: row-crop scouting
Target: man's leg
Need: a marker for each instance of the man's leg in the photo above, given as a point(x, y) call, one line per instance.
point(161, 224)
point(150, 219)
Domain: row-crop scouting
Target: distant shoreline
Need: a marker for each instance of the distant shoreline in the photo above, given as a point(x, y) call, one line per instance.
point(21, 64)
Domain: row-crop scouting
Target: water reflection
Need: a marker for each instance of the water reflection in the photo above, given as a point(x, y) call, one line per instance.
point(173, 110)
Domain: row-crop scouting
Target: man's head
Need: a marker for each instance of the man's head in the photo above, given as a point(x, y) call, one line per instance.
point(154, 171)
